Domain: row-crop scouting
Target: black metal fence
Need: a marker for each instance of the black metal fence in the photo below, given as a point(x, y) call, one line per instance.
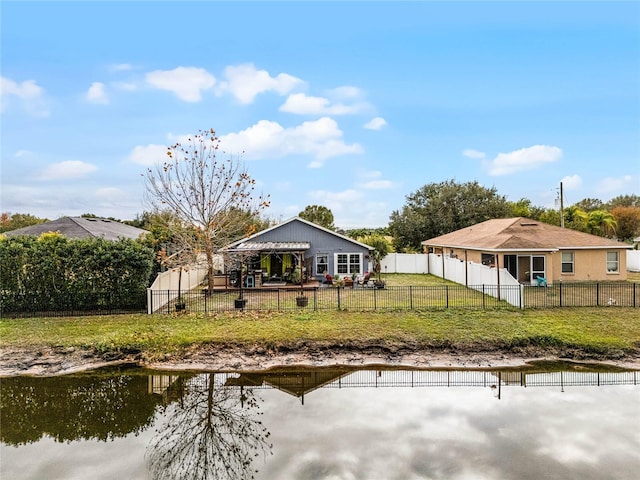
point(397, 298)
point(614, 294)
point(603, 294)
point(38, 304)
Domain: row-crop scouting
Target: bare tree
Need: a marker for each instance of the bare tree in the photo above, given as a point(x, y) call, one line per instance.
point(211, 195)
point(212, 433)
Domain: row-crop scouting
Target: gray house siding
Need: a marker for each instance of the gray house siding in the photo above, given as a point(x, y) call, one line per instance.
point(322, 242)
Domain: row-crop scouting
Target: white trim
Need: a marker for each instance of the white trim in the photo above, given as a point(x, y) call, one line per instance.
point(348, 254)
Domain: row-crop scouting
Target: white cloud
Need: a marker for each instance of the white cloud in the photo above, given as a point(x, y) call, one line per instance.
point(302, 104)
point(345, 92)
point(266, 139)
point(29, 93)
point(245, 82)
point(68, 169)
point(97, 94)
point(375, 123)
point(571, 182)
point(126, 86)
point(186, 82)
point(617, 185)
point(120, 67)
point(469, 152)
point(148, 154)
point(524, 159)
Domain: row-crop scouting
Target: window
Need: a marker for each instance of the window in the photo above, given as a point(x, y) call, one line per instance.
point(348, 263)
point(567, 262)
point(488, 259)
point(613, 264)
point(322, 263)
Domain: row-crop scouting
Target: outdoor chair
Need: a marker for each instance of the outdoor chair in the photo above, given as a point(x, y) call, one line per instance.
point(541, 281)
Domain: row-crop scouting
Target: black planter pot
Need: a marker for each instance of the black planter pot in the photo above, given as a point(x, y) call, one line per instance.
point(302, 301)
point(180, 307)
point(240, 302)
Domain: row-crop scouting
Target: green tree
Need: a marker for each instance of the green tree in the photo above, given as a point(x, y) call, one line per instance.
point(590, 204)
point(623, 201)
point(601, 223)
point(439, 208)
point(210, 196)
point(14, 221)
point(319, 215)
point(381, 248)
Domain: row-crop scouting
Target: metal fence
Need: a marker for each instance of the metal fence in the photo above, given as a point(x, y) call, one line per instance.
point(396, 298)
point(36, 304)
point(299, 380)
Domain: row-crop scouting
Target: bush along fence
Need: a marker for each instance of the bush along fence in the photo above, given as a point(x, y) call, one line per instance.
point(40, 304)
point(397, 298)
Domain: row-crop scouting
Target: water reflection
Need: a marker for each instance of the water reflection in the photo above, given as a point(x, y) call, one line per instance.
point(347, 424)
point(212, 432)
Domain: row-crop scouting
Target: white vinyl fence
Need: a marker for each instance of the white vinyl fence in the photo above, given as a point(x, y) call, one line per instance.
point(478, 277)
point(633, 260)
point(405, 263)
point(192, 276)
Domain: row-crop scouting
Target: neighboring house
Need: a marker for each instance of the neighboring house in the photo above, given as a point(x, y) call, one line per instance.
point(82, 227)
point(274, 252)
point(529, 249)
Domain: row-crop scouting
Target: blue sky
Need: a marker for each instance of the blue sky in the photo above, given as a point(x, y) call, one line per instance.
point(352, 106)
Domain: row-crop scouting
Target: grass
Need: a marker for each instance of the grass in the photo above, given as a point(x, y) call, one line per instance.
point(610, 332)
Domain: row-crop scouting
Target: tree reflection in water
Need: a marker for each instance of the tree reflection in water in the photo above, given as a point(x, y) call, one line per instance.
point(211, 432)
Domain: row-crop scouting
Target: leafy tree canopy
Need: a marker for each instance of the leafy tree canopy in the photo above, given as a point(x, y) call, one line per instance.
point(439, 208)
point(9, 221)
point(319, 215)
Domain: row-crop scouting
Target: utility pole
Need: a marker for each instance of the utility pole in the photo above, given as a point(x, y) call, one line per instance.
point(561, 207)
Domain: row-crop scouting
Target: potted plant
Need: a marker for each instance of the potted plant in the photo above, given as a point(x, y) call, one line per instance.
point(301, 300)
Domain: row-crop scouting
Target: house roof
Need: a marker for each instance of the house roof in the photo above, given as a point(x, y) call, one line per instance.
point(82, 227)
point(519, 233)
point(255, 236)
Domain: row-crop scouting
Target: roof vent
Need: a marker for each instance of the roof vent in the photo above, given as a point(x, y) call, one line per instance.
point(105, 220)
point(91, 220)
point(529, 224)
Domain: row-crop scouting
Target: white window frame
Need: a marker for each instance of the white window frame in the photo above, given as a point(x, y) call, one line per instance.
point(615, 262)
point(352, 267)
point(325, 263)
point(571, 262)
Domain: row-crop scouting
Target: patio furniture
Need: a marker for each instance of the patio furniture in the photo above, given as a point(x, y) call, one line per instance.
point(541, 281)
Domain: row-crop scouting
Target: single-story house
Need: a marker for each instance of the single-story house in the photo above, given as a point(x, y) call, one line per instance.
point(82, 227)
point(529, 249)
point(271, 254)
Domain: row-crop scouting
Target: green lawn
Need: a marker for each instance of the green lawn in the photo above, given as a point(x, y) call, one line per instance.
point(611, 332)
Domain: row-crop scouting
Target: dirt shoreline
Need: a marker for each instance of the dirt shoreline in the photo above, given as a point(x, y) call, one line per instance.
point(64, 361)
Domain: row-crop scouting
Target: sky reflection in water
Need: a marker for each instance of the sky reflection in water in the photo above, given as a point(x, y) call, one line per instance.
point(397, 433)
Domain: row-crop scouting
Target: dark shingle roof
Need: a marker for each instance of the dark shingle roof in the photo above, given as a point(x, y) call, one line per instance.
point(81, 227)
point(520, 234)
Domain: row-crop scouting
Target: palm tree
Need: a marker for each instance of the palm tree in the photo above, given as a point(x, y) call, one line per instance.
point(601, 223)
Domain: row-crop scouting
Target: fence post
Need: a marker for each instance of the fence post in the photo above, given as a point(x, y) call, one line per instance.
point(521, 288)
point(410, 297)
point(149, 301)
point(375, 299)
point(483, 300)
point(338, 297)
point(634, 294)
point(560, 294)
point(168, 301)
point(597, 294)
point(205, 300)
point(315, 300)
point(446, 289)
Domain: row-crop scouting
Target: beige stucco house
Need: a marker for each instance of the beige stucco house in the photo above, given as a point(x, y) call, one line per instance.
point(529, 249)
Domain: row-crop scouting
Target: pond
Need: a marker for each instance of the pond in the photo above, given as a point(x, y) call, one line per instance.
point(551, 422)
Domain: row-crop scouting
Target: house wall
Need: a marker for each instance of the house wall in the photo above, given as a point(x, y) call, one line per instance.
point(321, 242)
point(589, 265)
